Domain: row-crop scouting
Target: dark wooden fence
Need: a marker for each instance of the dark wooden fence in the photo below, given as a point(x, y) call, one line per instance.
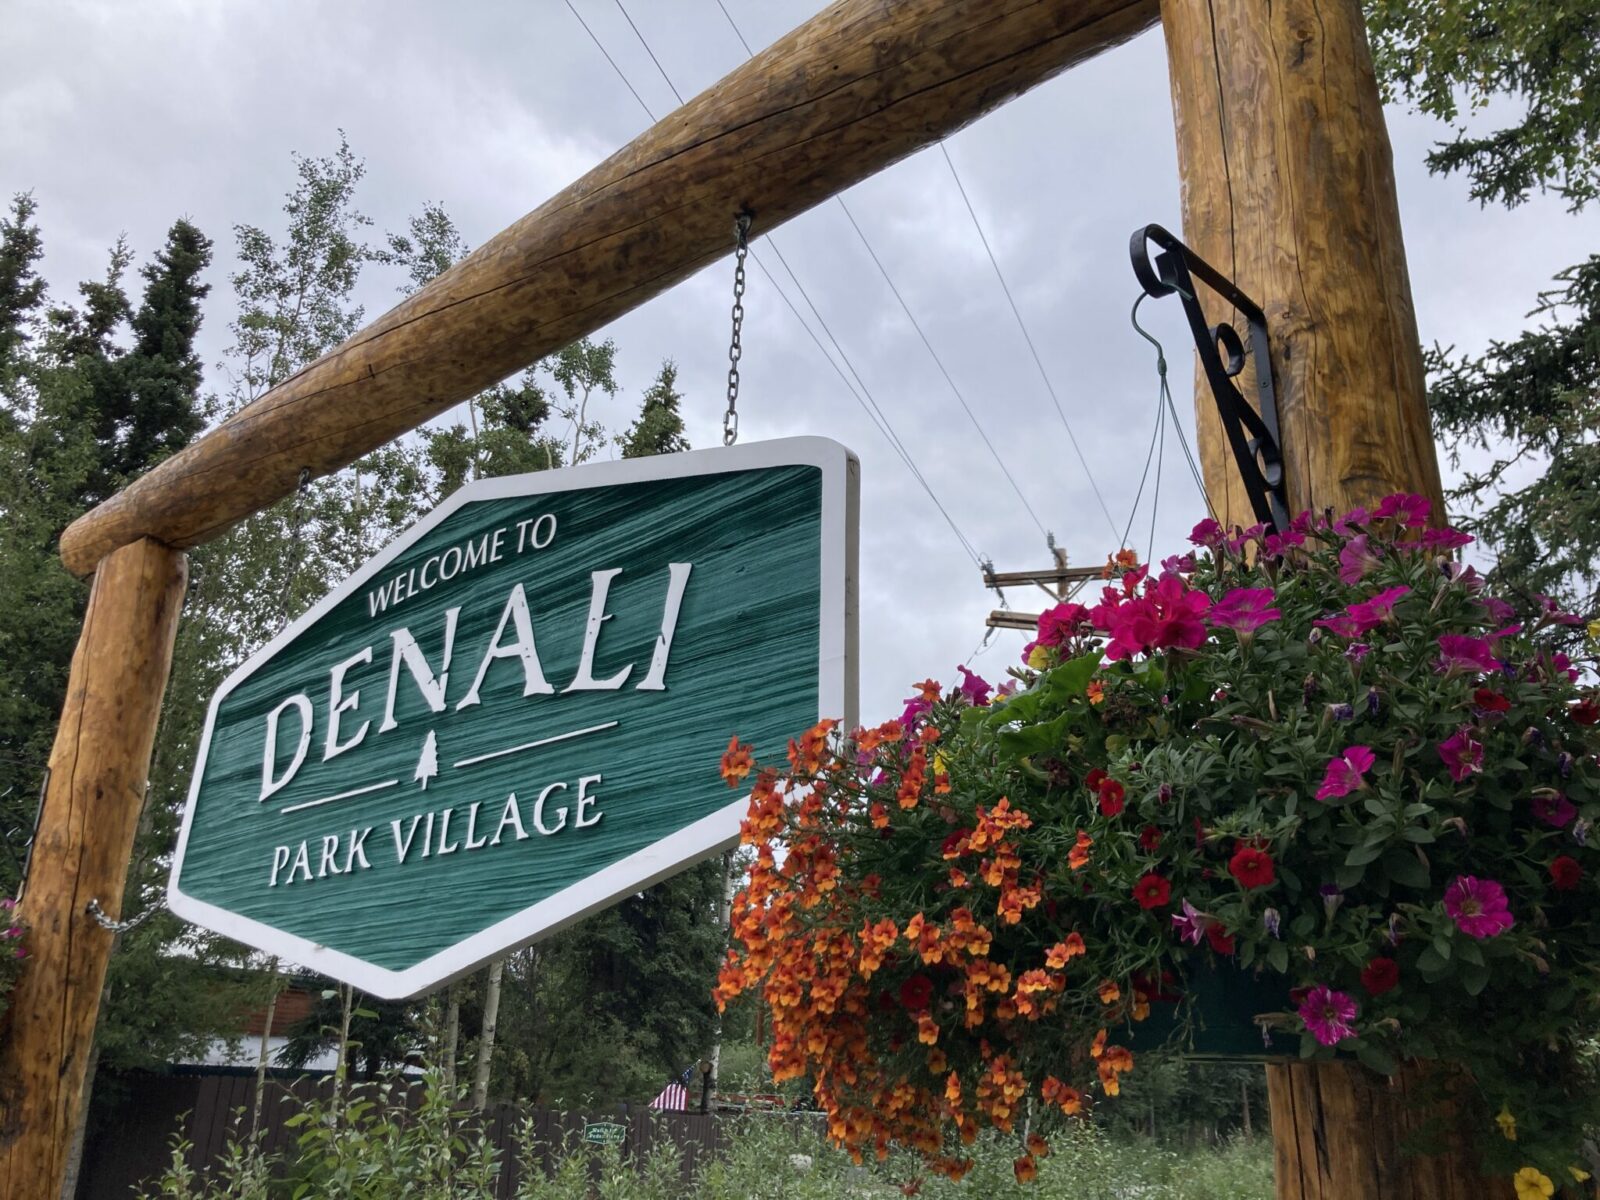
point(133, 1146)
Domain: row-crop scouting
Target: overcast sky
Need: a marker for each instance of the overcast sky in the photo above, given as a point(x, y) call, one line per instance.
point(121, 116)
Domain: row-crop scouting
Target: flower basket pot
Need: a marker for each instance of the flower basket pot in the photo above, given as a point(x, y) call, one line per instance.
point(1210, 1014)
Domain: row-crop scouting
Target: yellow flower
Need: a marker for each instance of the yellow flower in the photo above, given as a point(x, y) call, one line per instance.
point(1533, 1184)
point(1578, 1173)
point(1594, 630)
point(1507, 1123)
point(1038, 658)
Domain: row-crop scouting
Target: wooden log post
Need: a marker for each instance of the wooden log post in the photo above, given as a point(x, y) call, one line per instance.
point(93, 797)
point(1288, 188)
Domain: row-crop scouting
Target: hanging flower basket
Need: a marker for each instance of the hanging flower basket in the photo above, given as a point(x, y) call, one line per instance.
point(1322, 777)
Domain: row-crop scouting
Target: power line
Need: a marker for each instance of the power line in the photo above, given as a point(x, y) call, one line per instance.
point(906, 308)
point(1026, 336)
point(869, 404)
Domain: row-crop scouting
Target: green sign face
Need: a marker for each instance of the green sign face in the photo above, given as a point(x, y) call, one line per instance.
point(513, 715)
point(605, 1133)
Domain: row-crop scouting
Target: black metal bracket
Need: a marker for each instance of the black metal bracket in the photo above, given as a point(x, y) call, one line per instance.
point(1252, 432)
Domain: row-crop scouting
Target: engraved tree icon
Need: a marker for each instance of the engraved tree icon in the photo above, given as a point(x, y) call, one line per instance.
point(428, 764)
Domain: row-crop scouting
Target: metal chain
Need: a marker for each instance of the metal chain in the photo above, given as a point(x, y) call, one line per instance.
point(94, 910)
point(730, 419)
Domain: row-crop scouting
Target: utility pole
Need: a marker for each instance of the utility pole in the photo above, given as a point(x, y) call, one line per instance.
point(1288, 189)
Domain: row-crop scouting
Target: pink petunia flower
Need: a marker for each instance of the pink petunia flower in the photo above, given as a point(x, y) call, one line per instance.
point(1190, 923)
point(1343, 625)
point(1556, 810)
point(1355, 518)
point(974, 687)
point(1279, 544)
point(1461, 754)
point(1346, 773)
point(1550, 612)
point(1369, 614)
point(1207, 533)
point(1409, 509)
point(1057, 624)
point(1458, 652)
point(1497, 610)
point(1356, 558)
point(1244, 610)
point(1445, 539)
point(1328, 1014)
point(1477, 906)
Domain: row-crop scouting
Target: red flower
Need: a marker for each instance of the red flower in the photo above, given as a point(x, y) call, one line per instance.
point(1149, 839)
point(1379, 975)
point(916, 993)
point(1221, 940)
point(1586, 711)
point(1152, 891)
point(1489, 701)
point(1565, 873)
point(1251, 867)
point(1111, 795)
point(1094, 779)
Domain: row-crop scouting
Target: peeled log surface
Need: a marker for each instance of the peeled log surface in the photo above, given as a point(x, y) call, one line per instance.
point(859, 86)
point(1339, 1133)
point(92, 801)
point(1288, 188)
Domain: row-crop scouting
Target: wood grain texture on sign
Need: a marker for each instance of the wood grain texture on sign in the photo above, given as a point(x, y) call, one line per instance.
point(858, 87)
point(1288, 189)
point(440, 817)
point(92, 801)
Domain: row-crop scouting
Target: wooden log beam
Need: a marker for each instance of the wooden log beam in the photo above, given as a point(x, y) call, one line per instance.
point(92, 801)
point(1288, 188)
point(859, 86)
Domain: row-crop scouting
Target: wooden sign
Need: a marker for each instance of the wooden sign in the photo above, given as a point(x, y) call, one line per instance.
point(513, 715)
point(605, 1133)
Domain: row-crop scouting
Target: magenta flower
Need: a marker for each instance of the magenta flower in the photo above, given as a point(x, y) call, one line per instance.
point(1369, 614)
point(1551, 612)
point(1409, 509)
point(1057, 624)
point(1343, 625)
point(1207, 533)
point(1244, 610)
point(1355, 518)
point(1477, 906)
point(1445, 539)
point(14, 932)
point(1554, 810)
point(1167, 615)
point(1461, 754)
point(1190, 924)
point(974, 687)
point(1328, 1014)
point(1356, 558)
point(1460, 653)
point(1498, 611)
point(1279, 544)
point(1346, 773)
point(8, 904)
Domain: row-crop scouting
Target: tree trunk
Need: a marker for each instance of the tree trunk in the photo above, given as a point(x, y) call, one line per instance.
point(1288, 188)
point(1244, 1106)
point(263, 1054)
point(452, 1038)
point(93, 796)
point(491, 1012)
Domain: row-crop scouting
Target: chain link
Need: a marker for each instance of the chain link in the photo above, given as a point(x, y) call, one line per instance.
point(730, 419)
point(94, 910)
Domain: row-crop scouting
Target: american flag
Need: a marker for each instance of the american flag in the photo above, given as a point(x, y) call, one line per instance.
point(675, 1096)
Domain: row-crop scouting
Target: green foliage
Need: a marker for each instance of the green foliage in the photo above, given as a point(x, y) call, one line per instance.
point(1543, 55)
point(1532, 407)
point(659, 429)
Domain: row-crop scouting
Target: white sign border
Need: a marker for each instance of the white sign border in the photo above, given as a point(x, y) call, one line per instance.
point(836, 696)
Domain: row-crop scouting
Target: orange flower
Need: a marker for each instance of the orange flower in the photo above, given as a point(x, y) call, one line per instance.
point(879, 814)
point(891, 731)
point(927, 1029)
point(1059, 954)
point(1078, 856)
point(1025, 1169)
point(736, 763)
point(958, 878)
point(952, 1090)
point(1068, 1099)
point(930, 690)
point(1038, 1146)
point(1096, 691)
point(1109, 992)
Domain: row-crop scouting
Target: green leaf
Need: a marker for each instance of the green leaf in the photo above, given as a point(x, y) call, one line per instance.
point(1278, 957)
point(1417, 834)
point(1474, 977)
point(1375, 1058)
point(1362, 855)
point(1405, 869)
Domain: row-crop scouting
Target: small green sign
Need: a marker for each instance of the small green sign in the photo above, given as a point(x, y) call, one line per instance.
point(605, 1133)
point(512, 716)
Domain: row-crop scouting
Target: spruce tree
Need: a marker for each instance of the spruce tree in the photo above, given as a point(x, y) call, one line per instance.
point(21, 289)
point(659, 429)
